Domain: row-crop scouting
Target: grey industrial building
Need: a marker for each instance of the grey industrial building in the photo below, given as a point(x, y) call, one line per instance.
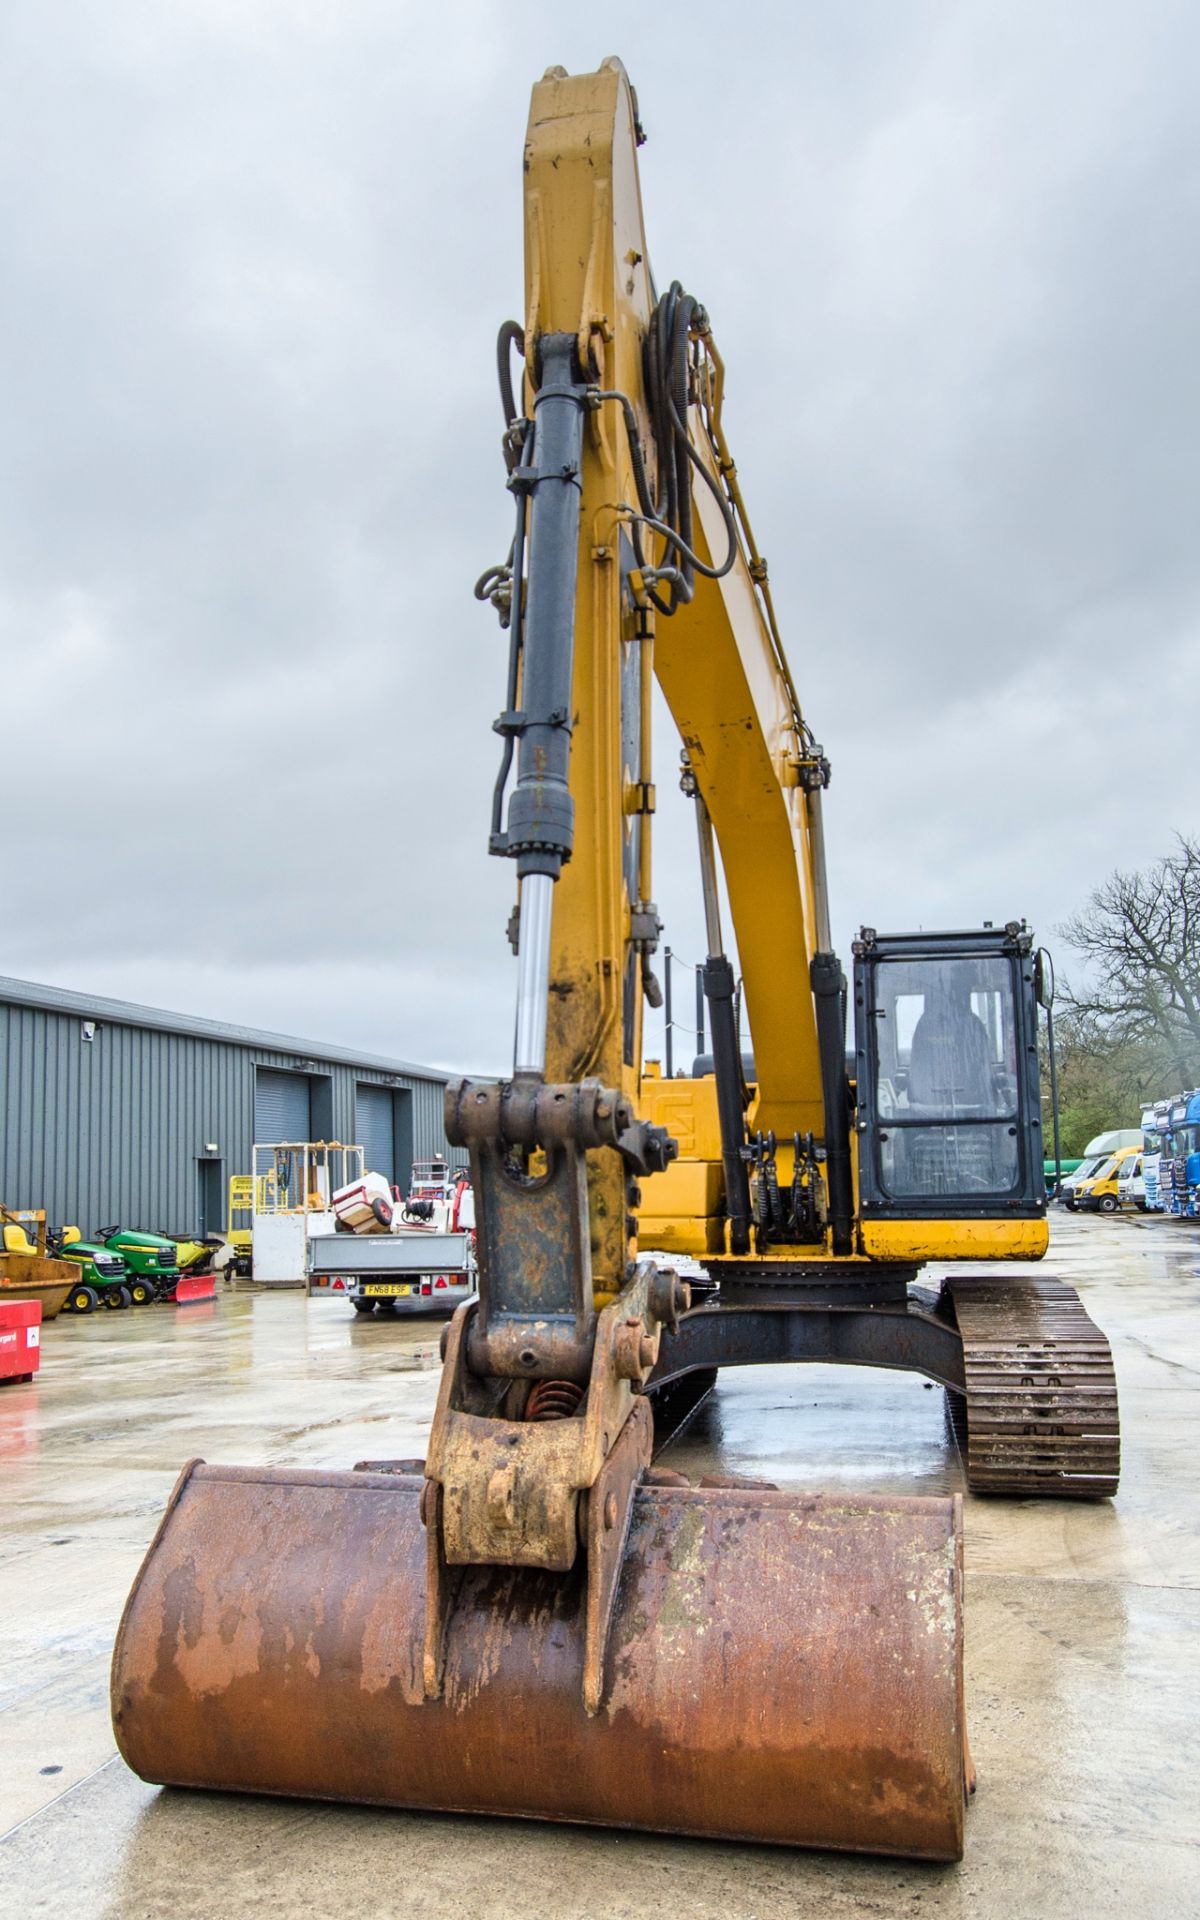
point(119, 1113)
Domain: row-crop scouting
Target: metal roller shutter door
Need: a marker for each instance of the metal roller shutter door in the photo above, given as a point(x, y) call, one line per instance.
point(280, 1106)
point(374, 1131)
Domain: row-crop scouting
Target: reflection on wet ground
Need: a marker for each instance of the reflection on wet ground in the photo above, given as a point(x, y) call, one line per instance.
point(819, 1427)
point(1083, 1624)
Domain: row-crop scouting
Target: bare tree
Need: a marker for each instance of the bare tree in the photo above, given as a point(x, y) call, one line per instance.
point(1103, 1081)
point(1141, 934)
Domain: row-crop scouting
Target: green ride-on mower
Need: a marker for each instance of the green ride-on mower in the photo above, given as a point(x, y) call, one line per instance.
point(104, 1279)
point(151, 1259)
point(178, 1270)
point(120, 1267)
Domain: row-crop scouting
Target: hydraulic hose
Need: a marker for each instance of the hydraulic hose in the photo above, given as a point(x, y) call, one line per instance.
point(719, 991)
point(511, 335)
point(829, 996)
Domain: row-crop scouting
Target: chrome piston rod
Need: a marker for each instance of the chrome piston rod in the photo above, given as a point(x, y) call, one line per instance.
point(533, 973)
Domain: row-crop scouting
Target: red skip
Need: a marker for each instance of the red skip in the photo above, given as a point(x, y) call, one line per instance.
point(20, 1339)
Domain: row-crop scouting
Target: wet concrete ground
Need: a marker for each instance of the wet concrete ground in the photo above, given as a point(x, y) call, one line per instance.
point(1083, 1627)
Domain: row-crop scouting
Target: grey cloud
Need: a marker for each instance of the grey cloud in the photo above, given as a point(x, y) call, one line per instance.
point(249, 469)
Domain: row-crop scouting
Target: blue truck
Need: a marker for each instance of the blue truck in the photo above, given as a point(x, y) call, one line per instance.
point(1179, 1161)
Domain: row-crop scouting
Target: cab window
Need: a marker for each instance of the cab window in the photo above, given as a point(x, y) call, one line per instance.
point(946, 1076)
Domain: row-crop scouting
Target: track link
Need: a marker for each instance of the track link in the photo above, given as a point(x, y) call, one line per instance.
point(1041, 1393)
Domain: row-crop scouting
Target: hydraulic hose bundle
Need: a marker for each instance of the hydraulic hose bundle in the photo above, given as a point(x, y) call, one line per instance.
point(677, 324)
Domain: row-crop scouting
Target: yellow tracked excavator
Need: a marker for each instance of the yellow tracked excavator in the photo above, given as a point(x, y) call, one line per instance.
point(535, 1620)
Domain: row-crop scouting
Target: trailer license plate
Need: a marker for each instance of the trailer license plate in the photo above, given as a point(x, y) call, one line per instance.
point(390, 1292)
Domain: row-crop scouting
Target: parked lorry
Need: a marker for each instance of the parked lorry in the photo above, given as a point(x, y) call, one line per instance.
point(312, 1214)
point(1179, 1165)
point(1154, 1126)
point(1170, 1173)
point(406, 1256)
point(1189, 1146)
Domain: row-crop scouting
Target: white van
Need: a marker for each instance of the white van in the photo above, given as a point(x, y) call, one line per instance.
point(1099, 1149)
point(1131, 1187)
point(1087, 1169)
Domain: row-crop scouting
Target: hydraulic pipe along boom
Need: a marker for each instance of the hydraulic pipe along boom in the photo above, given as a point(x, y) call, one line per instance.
point(829, 995)
point(726, 1047)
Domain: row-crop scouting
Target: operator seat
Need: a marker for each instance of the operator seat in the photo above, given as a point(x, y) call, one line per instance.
point(950, 1075)
point(950, 1067)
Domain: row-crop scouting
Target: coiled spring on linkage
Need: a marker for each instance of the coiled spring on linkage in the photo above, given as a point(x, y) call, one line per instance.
point(553, 1400)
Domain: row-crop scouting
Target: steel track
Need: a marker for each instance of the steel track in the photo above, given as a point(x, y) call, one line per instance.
point(1041, 1393)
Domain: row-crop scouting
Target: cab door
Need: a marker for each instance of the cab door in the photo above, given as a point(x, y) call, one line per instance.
point(948, 1100)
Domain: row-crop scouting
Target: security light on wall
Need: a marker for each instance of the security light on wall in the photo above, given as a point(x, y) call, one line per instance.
point(88, 1029)
point(210, 1146)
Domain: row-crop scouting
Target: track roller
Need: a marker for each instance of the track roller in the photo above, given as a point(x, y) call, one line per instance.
point(1041, 1400)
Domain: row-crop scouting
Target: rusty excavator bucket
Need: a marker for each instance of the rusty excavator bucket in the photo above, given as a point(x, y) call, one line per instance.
point(534, 1621)
point(779, 1667)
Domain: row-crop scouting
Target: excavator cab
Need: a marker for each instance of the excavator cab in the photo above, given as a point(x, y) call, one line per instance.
point(947, 1102)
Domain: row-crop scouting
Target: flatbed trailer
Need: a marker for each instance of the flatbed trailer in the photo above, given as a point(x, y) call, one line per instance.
point(417, 1271)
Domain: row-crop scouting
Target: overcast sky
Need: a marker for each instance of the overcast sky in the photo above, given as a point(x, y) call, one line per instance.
point(255, 254)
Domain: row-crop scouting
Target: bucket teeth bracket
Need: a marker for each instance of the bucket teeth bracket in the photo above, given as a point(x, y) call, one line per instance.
point(607, 1507)
point(441, 1590)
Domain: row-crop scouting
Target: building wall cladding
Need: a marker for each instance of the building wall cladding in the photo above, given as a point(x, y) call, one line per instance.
point(111, 1129)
